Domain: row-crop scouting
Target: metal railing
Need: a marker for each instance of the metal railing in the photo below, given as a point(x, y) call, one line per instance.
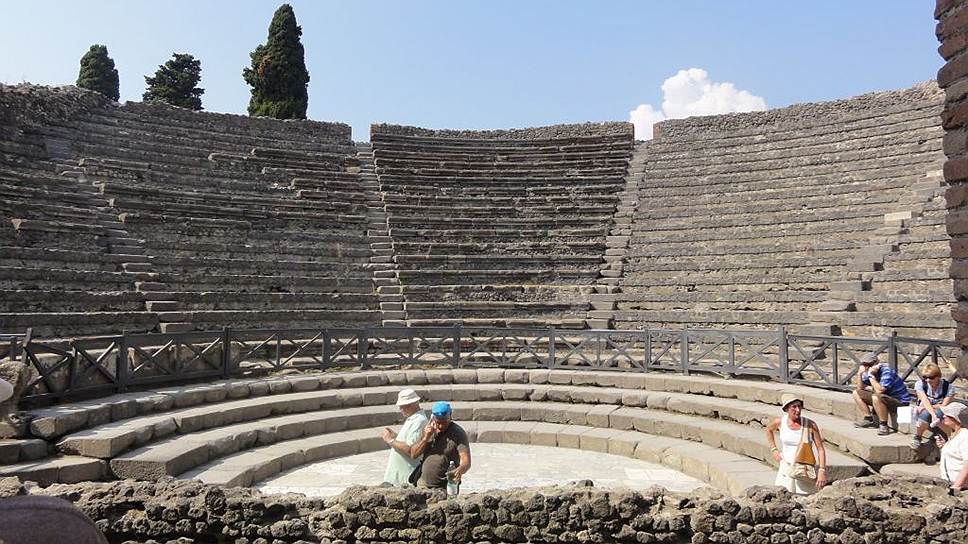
point(115, 364)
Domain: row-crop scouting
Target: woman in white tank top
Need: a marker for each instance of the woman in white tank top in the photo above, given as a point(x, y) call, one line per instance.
point(794, 429)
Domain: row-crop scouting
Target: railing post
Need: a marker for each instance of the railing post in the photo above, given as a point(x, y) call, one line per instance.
point(455, 349)
point(784, 355)
point(892, 350)
point(364, 349)
point(327, 350)
point(551, 348)
point(25, 344)
point(226, 352)
point(648, 350)
point(684, 351)
point(121, 372)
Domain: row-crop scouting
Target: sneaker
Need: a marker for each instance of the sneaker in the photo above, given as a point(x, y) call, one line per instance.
point(883, 430)
point(916, 443)
point(866, 423)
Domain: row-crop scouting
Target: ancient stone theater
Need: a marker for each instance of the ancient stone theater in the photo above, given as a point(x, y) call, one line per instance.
point(194, 305)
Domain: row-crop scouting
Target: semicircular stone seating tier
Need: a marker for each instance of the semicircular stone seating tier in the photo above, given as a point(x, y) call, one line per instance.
point(239, 432)
point(817, 217)
point(148, 217)
point(499, 228)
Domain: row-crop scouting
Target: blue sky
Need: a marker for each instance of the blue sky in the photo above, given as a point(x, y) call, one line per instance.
point(490, 64)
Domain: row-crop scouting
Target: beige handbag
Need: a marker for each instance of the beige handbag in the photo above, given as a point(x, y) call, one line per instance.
point(804, 462)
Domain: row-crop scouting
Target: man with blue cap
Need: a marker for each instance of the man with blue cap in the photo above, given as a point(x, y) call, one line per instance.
point(443, 442)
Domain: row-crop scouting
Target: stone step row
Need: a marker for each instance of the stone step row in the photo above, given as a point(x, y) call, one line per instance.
point(732, 142)
point(798, 125)
point(475, 144)
point(877, 142)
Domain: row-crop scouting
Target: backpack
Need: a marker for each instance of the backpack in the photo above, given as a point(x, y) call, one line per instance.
point(944, 389)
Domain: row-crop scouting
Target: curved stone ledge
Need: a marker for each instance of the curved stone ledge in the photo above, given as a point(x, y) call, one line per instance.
point(532, 133)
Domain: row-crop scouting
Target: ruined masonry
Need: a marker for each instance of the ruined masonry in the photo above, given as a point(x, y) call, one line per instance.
point(823, 218)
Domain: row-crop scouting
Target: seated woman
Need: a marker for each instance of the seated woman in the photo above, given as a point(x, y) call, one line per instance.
point(795, 429)
point(954, 449)
point(933, 392)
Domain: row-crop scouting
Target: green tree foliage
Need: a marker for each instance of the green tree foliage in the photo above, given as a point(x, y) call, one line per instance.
point(98, 72)
point(278, 74)
point(175, 83)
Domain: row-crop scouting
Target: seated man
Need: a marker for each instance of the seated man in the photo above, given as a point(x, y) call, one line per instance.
point(402, 459)
point(879, 386)
point(443, 442)
point(933, 392)
point(954, 449)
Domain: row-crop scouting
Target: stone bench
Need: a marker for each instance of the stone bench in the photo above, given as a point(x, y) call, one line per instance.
point(496, 277)
point(783, 135)
point(260, 202)
point(883, 144)
point(52, 279)
point(704, 318)
point(229, 249)
point(195, 300)
point(773, 203)
point(504, 310)
point(858, 228)
point(206, 406)
point(254, 266)
point(57, 301)
point(273, 318)
point(83, 323)
point(287, 283)
point(730, 472)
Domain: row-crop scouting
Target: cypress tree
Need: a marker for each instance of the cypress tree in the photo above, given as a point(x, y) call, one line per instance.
point(278, 74)
point(98, 73)
point(175, 83)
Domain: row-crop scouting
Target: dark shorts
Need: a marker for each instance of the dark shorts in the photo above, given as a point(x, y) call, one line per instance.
point(868, 397)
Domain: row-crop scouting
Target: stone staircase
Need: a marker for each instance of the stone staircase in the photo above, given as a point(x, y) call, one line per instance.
point(385, 275)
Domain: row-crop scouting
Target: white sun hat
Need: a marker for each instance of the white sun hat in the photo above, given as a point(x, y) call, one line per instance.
point(407, 396)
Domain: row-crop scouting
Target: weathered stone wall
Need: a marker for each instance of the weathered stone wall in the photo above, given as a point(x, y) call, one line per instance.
point(952, 31)
point(863, 510)
point(26, 104)
point(531, 133)
point(802, 115)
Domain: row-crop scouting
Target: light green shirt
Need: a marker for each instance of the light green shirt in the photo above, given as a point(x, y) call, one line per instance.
point(400, 466)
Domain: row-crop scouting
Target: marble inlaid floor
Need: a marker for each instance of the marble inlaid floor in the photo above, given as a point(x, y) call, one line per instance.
point(495, 466)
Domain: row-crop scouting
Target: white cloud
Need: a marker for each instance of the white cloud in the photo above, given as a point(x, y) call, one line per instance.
point(688, 93)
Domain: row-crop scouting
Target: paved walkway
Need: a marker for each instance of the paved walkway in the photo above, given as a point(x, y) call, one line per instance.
point(496, 466)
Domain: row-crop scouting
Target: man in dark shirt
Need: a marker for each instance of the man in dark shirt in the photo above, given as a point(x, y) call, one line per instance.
point(442, 441)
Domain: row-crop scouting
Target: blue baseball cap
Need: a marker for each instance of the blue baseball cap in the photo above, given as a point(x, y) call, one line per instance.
point(440, 409)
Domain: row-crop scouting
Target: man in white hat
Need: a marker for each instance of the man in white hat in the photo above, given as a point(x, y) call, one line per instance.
point(402, 461)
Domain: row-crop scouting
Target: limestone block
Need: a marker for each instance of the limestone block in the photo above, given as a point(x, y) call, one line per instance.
point(597, 439)
point(490, 375)
point(624, 442)
point(331, 447)
point(658, 400)
point(560, 393)
point(350, 398)
point(464, 375)
point(497, 411)
point(516, 392)
point(634, 398)
point(652, 448)
point(627, 418)
point(464, 393)
point(76, 470)
point(416, 377)
point(490, 431)
point(330, 381)
point(396, 378)
point(539, 376)
point(560, 377)
point(489, 394)
point(570, 436)
point(518, 432)
point(304, 383)
point(545, 434)
point(163, 459)
point(279, 386)
point(258, 388)
point(691, 405)
point(541, 392)
point(440, 376)
point(375, 379)
point(517, 375)
point(597, 416)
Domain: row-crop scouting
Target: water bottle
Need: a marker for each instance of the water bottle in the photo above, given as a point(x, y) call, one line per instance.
point(453, 488)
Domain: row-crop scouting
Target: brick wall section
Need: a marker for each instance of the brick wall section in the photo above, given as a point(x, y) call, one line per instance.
point(952, 32)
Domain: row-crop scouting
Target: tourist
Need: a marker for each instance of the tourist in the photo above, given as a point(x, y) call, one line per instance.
point(954, 449)
point(797, 477)
point(443, 442)
point(403, 460)
point(38, 519)
point(879, 386)
point(933, 393)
